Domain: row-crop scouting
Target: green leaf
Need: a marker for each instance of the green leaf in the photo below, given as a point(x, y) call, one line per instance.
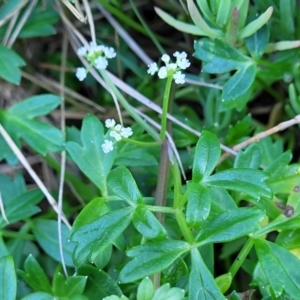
point(240, 82)
point(40, 22)
point(221, 58)
point(257, 42)
point(249, 181)
point(9, 8)
point(166, 292)
point(35, 106)
point(201, 283)
point(175, 272)
point(42, 137)
point(276, 260)
point(91, 212)
point(198, 205)
point(152, 258)
point(21, 207)
point(72, 286)
point(99, 234)
point(46, 234)
point(250, 158)
point(256, 24)
point(207, 154)
point(147, 224)
point(145, 290)
point(8, 278)
point(199, 21)
point(9, 65)
point(223, 13)
point(230, 225)
point(287, 8)
point(35, 276)
point(38, 296)
point(122, 184)
point(99, 284)
point(90, 158)
point(181, 26)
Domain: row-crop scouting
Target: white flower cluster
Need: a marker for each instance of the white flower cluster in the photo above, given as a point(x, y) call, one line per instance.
point(117, 131)
point(171, 69)
point(96, 55)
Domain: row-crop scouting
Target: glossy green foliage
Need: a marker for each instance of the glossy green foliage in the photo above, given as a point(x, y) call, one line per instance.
point(89, 156)
point(8, 279)
point(9, 65)
point(18, 202)
point(19, 120)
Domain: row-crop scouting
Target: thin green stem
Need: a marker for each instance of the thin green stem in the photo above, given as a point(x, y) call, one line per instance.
point(17, 235)
point(241, 257)
point(187, 234)
point(143, 144)
point(146, 27)
point(165, 108)
point(128, 107)
point(162, 209)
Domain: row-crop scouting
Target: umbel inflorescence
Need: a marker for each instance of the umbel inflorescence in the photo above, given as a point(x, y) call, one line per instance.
point(117, 132)
point(96, 55)
point(170, 68)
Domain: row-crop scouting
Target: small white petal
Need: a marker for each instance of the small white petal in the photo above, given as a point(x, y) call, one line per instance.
point(179, 77)
point(180, 55)
point(100, 48)
point(152, 68)
point(101, 63)
point(110, 123)
point(126, 132)
point(183, 63)
point(118, 127)
point(165, 58)
point(110, 52)
point(107, 146)
point(171, 66)
point(81, 73)
point(81, 51)
point(115, 135)
point(162, 73)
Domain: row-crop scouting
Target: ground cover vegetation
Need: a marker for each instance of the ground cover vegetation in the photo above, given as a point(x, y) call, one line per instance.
point(149, 149)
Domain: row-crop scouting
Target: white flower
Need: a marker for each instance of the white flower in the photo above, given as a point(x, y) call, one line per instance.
point(171, 67)
point(162, 73)
point(100, 48)
point(126, 132)
point(110, 52)
point(165, 58)
point(93, 48)
point(179, 77)
point(81, 73)
point(110, 123)
point(101, 63)
point(181, 55)
point(118, 127)
point(183, 63)
point(81, 51)
point(115, 135)
point(107, 146)
point(152, 68)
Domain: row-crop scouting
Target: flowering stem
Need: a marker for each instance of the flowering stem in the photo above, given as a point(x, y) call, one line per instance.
point(165, 108)
point(128, 107)
point(143, 144)
point(241, 257)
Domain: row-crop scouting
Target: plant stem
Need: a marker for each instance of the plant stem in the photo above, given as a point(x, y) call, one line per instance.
point(188, 236)
point(164, 209)
point(241, 257)
point(165, 108)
